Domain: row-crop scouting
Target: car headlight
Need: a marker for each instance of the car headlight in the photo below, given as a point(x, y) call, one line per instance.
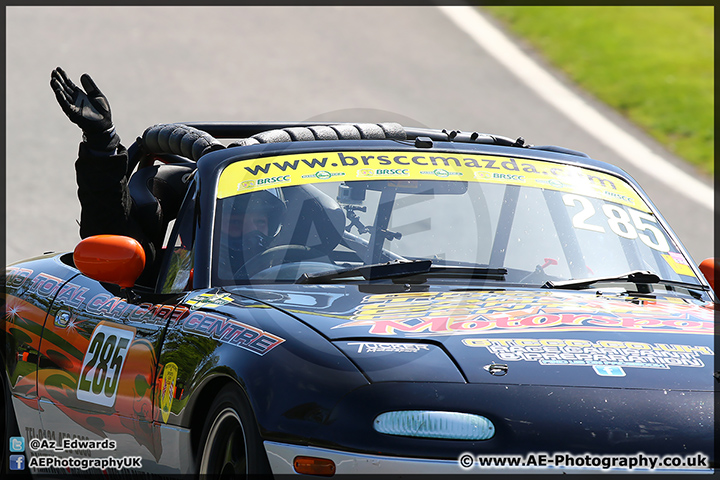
point(434, 424)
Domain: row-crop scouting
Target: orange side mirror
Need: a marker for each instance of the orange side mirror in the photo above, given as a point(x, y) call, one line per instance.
point(708, 267)
point(110, 258)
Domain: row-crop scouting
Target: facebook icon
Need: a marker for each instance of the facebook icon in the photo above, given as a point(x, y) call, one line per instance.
point(17, 462)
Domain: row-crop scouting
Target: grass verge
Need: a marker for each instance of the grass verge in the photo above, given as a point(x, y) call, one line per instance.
point(653, 64)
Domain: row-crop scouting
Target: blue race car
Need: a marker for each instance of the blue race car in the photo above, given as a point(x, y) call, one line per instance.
point(365, 298)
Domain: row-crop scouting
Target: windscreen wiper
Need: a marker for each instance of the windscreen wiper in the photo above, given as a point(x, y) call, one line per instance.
point(467, 272)
point(401, 269)
point(375, 271)
point(637, 276)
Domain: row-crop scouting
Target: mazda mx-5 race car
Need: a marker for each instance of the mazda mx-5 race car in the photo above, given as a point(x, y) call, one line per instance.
point(404, 300)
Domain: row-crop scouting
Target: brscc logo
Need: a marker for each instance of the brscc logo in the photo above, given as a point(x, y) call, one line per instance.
point(246, 184)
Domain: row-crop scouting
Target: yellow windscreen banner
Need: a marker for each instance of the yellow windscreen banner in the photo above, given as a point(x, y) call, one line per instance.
point(285, 170)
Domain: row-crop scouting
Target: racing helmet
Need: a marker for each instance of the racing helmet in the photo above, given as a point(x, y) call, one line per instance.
point(268, 202)
point(241, 232)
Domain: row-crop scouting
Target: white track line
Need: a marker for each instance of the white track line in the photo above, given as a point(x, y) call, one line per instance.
point(499, 46)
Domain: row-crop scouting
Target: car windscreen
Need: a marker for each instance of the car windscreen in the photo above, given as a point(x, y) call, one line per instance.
point(527, 221)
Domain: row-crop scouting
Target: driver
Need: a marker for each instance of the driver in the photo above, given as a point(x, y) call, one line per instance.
point(102, 166)
point(102, 178)
point(248, 223)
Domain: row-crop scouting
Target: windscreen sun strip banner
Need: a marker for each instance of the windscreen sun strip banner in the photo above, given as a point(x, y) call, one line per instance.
point(300, 169)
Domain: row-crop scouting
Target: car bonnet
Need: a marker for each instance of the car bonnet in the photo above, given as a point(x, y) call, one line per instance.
point(510, 336)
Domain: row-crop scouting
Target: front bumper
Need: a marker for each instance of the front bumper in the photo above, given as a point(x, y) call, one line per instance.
point(598, 429)
point(281, 456)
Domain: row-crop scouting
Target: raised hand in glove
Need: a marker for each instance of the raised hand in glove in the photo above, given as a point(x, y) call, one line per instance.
point(87, 109)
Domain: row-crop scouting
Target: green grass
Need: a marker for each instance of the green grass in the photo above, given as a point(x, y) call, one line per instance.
point(653, 64)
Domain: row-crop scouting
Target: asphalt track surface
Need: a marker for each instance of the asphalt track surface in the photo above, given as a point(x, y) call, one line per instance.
point(360, 64)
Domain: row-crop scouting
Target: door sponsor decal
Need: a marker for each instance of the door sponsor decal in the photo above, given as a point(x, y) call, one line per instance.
point(600, 353)
point(233, 332)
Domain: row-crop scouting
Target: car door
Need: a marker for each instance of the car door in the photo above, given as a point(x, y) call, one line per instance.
point(97, 365)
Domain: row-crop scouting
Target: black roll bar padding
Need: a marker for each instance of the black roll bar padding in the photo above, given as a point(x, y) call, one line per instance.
point(296, 130)
point(249, 129)
point(179, 139)
point(336, 131)
point(195, 139)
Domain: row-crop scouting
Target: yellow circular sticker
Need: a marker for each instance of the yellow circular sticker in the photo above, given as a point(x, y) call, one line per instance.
point(168, 389)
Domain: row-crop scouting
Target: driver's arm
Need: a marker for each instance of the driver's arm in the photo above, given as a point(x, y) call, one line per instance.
point(102, 164)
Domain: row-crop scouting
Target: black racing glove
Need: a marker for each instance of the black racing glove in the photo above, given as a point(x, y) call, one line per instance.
point(90, 111)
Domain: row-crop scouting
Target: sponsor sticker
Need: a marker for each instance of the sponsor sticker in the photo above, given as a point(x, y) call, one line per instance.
point(371, 347)
point(209, 300)
point(261, 183)
point(605, 371)
point(509, 178)
point(323, 175)
point(608, 356)
point(383, 172)
point(556, 184)
point(462, 313)
point(167, 394)
point(678, 263)
point(441, 173)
